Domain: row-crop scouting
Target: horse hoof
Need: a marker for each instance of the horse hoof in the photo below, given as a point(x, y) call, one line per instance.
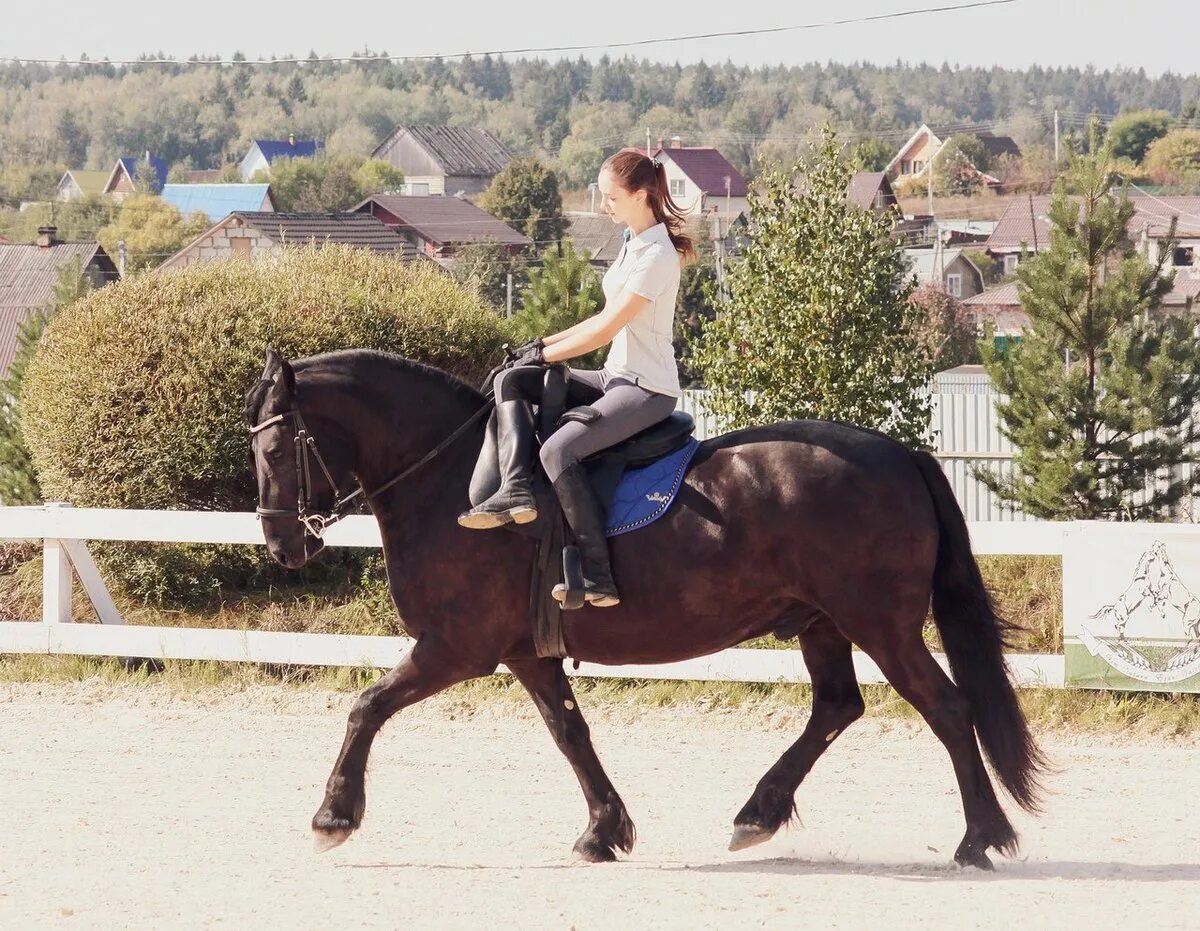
point(324, 840)
point(748, 835)
point(969, 855)
point(593, 851)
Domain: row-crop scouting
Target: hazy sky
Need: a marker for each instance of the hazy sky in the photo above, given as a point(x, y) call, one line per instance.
point(1106, 33)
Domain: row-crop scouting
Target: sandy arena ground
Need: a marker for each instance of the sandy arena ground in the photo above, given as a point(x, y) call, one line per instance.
point(128, 807)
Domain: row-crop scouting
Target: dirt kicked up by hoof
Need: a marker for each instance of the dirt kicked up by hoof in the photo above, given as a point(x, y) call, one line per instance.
point(748, 835)
point(327, 840)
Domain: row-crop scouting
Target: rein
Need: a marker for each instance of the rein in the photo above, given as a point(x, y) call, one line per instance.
point(316, 523)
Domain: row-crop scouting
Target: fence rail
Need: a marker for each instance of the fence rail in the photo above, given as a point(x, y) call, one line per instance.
point(64, 531)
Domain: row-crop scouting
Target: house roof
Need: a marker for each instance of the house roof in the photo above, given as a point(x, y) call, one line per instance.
point(865, 185)
point(1024, 216)
point(202, 176)
point(1003, 296)
point(926, 263)
point(595, 236)
point(215, 200)
point(440, 220)
point(272, 149)
point(28, 274)
point(459, 150)
point(351, 229)
point(707, 168)
point(130, 167)
point(90, 182)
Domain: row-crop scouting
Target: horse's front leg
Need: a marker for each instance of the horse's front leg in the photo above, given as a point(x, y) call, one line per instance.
point(609, 828)
point(426, 669)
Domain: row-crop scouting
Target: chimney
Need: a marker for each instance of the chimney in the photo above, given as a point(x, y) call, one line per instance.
point(147, 157)
point(291, 138)
point(47, 236)
point(660, 142)
point(676, 142)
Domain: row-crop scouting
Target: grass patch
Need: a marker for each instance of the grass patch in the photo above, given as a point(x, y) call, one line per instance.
point(1130, 714)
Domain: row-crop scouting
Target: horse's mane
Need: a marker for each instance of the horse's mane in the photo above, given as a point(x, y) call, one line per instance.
point(345, 359)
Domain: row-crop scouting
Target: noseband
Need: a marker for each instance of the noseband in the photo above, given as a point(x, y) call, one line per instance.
point(315, 522)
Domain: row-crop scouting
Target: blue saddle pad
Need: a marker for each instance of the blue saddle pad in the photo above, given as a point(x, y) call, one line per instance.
point(643, 495)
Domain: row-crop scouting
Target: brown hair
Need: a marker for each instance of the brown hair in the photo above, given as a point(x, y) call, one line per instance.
point(635, 171)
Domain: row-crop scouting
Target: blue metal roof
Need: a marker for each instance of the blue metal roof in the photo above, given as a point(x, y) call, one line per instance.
point(159, 166)
point(272, 149)
point(215, 201)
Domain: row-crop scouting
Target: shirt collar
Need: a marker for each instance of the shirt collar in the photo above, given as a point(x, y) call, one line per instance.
point(656, 233)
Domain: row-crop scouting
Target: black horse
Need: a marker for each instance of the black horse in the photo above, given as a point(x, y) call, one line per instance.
point(825, 532)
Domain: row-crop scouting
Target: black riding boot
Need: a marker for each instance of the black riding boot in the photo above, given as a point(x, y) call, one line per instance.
point(513, 501)
point(586, 517)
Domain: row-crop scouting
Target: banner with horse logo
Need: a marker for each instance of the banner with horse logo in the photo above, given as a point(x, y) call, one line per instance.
point(1131, 606)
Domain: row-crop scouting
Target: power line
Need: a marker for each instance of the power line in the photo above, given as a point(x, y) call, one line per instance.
point(520, 51)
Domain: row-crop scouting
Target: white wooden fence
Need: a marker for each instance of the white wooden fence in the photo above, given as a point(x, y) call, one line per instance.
point(65, 530)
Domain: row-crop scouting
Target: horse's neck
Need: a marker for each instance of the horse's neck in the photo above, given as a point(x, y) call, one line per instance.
point(392, 435)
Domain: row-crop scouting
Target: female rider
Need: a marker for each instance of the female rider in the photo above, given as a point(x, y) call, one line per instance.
point(637, 387)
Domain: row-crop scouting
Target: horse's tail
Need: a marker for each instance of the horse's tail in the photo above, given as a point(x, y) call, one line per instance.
point(974, 636)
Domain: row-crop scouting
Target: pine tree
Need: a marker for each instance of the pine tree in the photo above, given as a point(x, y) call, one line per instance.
point(819, 324)
point(564, 291)
point(1101, 388)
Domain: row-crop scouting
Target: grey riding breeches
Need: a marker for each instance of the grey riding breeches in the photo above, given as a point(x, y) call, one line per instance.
point(625, 409)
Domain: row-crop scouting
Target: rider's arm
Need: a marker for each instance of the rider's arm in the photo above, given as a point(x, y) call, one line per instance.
point(597, 330)
point(559, 337)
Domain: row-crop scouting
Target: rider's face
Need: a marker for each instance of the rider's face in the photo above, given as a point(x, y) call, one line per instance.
point(620, 205)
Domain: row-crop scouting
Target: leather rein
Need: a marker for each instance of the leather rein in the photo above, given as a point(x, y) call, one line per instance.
point(317, 522)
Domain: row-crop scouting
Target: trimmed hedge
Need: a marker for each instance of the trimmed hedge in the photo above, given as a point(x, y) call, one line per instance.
point(135, 396)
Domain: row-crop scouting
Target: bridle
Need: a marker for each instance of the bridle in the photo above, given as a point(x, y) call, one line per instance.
point(317, 522)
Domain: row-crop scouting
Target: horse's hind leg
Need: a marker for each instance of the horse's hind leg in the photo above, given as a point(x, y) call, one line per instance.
point(837, 702)
point(915, 674)
point(426, 669)
point(609, 828)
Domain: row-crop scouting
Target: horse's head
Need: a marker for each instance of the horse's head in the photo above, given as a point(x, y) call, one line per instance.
point(298, 478)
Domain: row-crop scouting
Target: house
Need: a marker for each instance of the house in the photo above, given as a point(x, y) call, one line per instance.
point(912, 161)
point(1001, 308)
point(1025, 227)
point(437, 225)
point(956, 232)
point(129, 173)
point(263, 152)
point(219, 200)
point(701, 180)
point(77, 184)
point(444, 159)
point(28, 274)
point(951, 269)
point(255, 235)
point(871, 190)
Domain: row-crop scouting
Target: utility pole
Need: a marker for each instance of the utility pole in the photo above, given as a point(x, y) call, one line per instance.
point(1055, 135)
point(647, 142)
point(508, 299)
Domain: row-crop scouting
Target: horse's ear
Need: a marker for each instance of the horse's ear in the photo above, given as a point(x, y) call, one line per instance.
point(277, 366)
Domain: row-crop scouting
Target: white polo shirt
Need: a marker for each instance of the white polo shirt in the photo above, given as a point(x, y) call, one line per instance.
point(643, 350)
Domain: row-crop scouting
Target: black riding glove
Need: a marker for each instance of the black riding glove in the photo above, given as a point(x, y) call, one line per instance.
point(530, 354)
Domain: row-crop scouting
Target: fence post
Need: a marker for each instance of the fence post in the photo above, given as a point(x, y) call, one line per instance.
point(56, 578)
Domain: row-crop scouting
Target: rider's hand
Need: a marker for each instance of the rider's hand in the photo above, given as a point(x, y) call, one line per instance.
point(530, 354)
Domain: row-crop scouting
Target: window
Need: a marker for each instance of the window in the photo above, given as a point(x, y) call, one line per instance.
point(905, 167)
point(1010, 264)
point(918, 166)
point(954, 285)
point(240, 246)
point(677, 187)
point(1184, 255)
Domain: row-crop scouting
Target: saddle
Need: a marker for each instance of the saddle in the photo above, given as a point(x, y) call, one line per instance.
point(605, 470)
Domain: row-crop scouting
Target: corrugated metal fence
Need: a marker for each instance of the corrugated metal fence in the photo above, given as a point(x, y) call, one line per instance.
point(966, 435)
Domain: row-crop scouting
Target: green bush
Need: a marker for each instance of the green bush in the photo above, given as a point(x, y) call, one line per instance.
point(135, 396)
